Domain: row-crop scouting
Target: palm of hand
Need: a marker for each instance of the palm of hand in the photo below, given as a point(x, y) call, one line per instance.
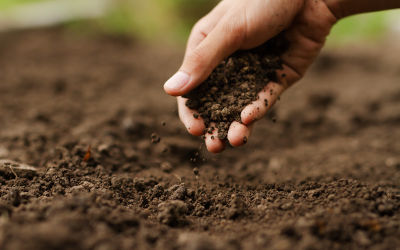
point(245, 25)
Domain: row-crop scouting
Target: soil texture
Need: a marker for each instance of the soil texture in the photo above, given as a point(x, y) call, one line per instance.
point(234, 84)
point(93, 156)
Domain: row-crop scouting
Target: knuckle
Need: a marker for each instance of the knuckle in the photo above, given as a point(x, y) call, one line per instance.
point(201, 26)
point(236, 32)
point(196, 59)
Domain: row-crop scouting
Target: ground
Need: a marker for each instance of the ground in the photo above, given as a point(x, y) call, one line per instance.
point(88, 111)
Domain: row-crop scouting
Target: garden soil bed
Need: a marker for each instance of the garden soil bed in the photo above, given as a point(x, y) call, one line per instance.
point(113, 168)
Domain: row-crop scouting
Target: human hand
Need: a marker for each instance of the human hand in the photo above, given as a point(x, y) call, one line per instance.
point(238, 25)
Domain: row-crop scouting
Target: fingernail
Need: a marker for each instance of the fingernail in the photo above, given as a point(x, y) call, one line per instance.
point(177, 81)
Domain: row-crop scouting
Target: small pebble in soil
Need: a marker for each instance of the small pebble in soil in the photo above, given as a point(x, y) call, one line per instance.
point(166, 167)
point(103, 148)
point(244, 140)
point(286, 206)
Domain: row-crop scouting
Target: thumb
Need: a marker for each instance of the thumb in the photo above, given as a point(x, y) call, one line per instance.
point(198, 64)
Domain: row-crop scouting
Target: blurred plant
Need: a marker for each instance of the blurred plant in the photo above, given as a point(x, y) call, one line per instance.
point(192, 11)
point(172, 20)
point(161, 19)
point(5, 4)
point(366, 27)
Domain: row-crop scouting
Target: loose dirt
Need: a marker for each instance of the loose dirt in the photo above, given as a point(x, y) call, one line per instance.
point(234, 84)
point(324, 176)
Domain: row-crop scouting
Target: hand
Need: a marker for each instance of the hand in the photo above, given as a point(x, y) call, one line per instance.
point(234, 25)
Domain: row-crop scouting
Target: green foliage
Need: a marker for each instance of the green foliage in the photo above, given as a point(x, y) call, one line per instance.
point(5, 4)
point(118, 20)
point(365, 27)
point(173, 19)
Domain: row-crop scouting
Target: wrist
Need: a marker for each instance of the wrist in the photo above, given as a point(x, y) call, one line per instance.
point(335, 7)
point(344, 8)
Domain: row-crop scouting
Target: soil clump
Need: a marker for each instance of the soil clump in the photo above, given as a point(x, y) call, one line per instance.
point(234, 84)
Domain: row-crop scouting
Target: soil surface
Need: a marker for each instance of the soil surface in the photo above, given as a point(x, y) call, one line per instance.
point(93, 156)
point(234, 84)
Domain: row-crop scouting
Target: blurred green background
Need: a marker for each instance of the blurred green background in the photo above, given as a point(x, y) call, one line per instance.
point(171, 20)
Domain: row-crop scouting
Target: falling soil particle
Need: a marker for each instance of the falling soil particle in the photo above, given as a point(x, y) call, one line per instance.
point(235, 83)
point(155, 138)
point(196, 171)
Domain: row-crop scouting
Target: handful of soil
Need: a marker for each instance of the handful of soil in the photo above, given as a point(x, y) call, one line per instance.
point(235, 83)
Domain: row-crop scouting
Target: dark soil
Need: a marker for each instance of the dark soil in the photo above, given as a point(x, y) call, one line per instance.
point(234, 84)
point(93, 156)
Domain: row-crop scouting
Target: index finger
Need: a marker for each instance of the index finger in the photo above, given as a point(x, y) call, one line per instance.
point(205, 25)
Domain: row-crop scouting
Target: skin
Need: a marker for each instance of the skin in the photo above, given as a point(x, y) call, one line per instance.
point(235, 25)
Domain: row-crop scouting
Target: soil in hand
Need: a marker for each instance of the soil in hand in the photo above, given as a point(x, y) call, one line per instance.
point(234, 84)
